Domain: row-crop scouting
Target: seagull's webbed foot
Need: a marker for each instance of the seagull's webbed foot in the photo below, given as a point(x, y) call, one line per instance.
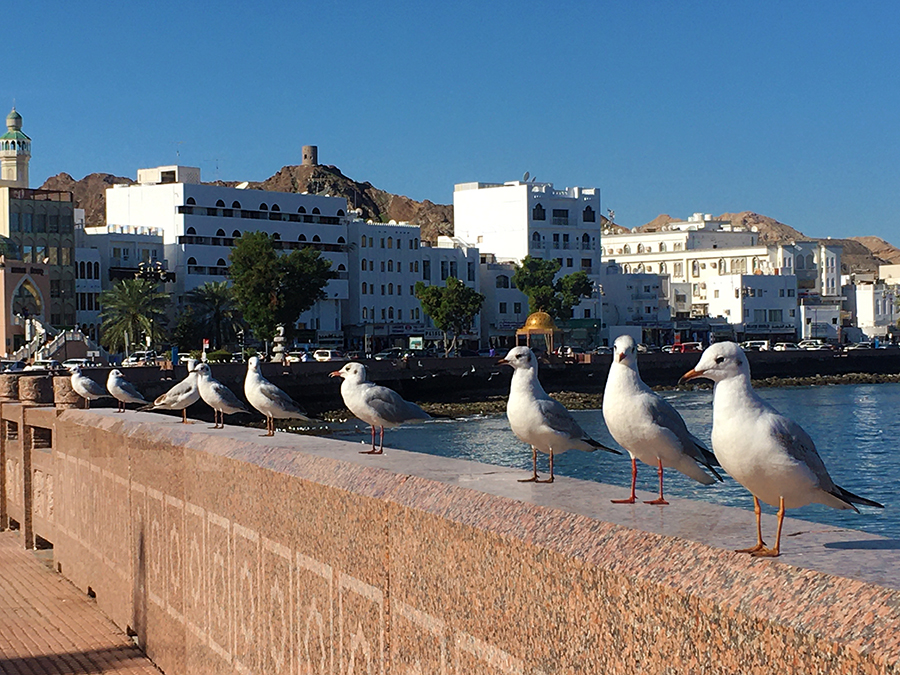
point(373, 451)
point(766, 553)
point(544, 480)
point(533, 479)
point(761, 546)
point(659, 501)
point(631, 500)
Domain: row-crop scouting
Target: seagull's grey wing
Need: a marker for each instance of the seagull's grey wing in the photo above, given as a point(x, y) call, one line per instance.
point(227, 396)
point(663, 414)
point(797, 443)
point(92, 387)
point(280, 398)
point(392, 407)
point(557, 417)
point(129, 390)
point(177, 393)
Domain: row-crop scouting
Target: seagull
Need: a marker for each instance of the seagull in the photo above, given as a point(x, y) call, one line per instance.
point(85, 387)
point(180, 397)
point(537, 419)
point(122, 390)
point(377, 406)
point(766, 452)
point(217, 396)
point(647, 426)
point(269, 399)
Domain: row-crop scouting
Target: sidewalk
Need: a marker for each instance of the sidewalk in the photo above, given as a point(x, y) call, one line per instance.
point(49, 626)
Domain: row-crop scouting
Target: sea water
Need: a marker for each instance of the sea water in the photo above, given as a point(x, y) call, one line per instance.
point(855, 427)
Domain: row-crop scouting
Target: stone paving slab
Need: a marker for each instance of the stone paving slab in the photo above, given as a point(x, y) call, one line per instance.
point(48, 626)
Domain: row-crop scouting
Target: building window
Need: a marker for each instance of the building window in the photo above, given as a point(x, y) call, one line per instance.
point(365, 313)
point(382, 289)
point(776, 316)
point(716, 293)
point(390, 263)
point(444, 270)
point(390, 242)
point(538, 213)
point(364, 288)
point(662, 247)
point(570, 262)
point(626, 249)
point(791, 292)
point(191, 230)
point(662, 268)
point(382, 242)
point(560, 217)
point(502, 281)
point(470, 271)
point(678, 269)
point(502, 308)
point(390, 289)
point(382, 265)
point(365, 265)
point(555, 240)
point(383, 314)
point(588, 215)
point(426, 270)
point(695, 268)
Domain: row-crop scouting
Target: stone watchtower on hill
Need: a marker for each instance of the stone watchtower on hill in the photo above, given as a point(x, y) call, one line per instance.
point(15, 153)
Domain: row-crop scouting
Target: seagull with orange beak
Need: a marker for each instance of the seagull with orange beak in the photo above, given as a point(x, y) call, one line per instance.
point(537, 419)
point(766, 452)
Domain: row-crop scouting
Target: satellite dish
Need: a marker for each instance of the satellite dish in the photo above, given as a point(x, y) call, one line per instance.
point(242, 186)
point(525, 177)
point(533, 178)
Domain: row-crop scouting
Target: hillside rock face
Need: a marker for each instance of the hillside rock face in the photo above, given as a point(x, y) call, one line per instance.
point(880, 249)
point(89, 193)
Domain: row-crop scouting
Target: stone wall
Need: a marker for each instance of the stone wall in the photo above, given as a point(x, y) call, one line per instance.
point(226, 552)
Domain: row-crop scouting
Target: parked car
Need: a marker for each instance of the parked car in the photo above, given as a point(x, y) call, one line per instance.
point(328, 355)
point(860, 345)
point(647, 349)
point(9, 366)
point(667, 349)
point(687, 348)
point(84, 363)
point(602, 349)
point(147, 358)
point(814, 344)
point(755, 346)
point(786, 347)
point(389, 354)
point(44, 364)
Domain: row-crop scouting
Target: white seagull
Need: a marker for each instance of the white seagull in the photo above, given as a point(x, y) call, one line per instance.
point(375, 405)
point(122, 390)
point(647, 426)
point(85, 387)
point(766, 452)
point(269, 399)
point(539, 420)
point(217, 396)
point(180, 397)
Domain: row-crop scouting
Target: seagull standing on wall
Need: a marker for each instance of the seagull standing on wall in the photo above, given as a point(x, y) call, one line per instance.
point(375, 405)
point(538, 420)
point(647, 426)
point(217, 396)
point(269, 399)
point(85, 387)
point(180, 397)
point(122, 390)
point(766, 452)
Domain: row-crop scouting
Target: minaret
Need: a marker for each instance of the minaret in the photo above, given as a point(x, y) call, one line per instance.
point(15, 153)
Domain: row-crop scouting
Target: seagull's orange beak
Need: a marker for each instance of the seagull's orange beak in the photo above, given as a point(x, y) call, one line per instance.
point(335, 373)
point(621, 356)
point(503, 362)
point(690, 375)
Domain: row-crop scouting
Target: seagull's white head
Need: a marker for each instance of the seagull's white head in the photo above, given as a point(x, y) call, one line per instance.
point(625, 351)
point(75, 370)
point(115, 374)
point(202, 370)
point(520, 358)
point(720, 361)
point(253, 363)
point(353, 372)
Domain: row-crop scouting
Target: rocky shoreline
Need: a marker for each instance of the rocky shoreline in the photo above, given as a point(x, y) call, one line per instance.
point(473, 404)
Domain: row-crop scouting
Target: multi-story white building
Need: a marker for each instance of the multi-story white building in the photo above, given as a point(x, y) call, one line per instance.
point(874, 307)
point(756, 306)
point(636, 299)
point(505, 306)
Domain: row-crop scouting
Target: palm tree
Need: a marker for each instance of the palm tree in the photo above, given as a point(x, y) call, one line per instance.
point(131, 308)
point(215, 312)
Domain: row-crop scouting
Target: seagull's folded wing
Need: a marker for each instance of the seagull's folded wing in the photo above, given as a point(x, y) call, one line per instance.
point(392, 407)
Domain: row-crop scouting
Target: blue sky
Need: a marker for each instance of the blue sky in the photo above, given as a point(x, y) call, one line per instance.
point(788, 109)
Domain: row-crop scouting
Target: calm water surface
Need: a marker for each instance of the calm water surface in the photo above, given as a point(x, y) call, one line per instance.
point(855, 427)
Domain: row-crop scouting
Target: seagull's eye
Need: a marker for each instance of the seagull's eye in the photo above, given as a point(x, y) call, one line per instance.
point(720, 359)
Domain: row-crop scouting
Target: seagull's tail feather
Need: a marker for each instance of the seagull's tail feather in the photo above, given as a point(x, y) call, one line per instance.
point(146, 408)
point(708, 459)
point(599, 446)
point(850, 498)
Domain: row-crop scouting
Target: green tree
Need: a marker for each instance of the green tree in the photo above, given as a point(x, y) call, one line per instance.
point(132, 307)
point(273, 289)
point(452, 308)
point(535, 277)
point(214, 312)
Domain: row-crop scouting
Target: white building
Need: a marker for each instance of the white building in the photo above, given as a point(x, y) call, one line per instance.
point(756, 306)
point(515, 219)
point(637, 299)
point(505, 306)
point(874, 307)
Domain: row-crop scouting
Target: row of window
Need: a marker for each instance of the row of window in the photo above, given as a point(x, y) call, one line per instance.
point(562, 240)
point(386, 289)
point(369, 242)
point(87, 270)
point(388, 314)
point(88, 302)
point(644, 248)
point(42, 222)
point(561, 216)
point(236, 234)
point(50, 255)
point(220, 204)
point(517, 308)
point(369, 266)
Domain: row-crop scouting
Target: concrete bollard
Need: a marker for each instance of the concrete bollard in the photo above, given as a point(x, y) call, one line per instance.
point(9, 387)
point(36, 389)
point(63, 394)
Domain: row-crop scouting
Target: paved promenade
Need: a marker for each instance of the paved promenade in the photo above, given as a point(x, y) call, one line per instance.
point(49, 626)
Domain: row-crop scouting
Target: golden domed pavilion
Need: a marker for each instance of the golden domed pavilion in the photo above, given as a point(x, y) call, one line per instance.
point(539, 332)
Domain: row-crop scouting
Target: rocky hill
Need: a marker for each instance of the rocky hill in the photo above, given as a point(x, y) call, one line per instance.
point(89, 192)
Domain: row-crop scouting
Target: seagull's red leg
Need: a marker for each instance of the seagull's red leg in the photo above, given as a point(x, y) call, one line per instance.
point(534, 476)
point(660, 501)
point(633, 497)
point(760, 544)
point(548, 480)
point(373, 451)
point(184, 416)
point(774, 552)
